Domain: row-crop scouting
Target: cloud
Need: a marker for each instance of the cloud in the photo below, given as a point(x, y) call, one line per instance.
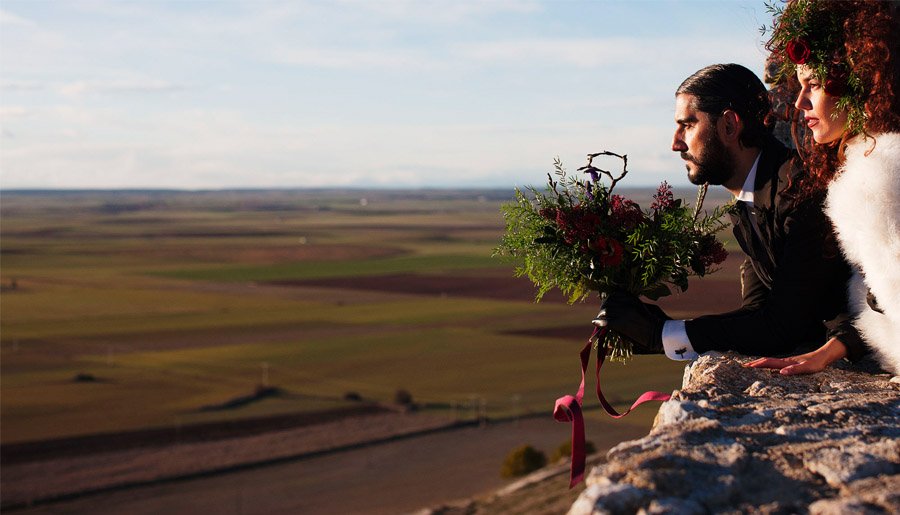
point(10, 19)
point(79, 88)
point(388, 92)
point(20, 86)
point(438, 12)
point(583, 53)
point(600, 52)
point(7, 112)
point(350, 59)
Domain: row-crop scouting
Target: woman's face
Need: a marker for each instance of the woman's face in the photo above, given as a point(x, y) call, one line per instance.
point(822, 117)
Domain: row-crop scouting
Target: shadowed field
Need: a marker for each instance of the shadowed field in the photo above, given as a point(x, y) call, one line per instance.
point(129, 311)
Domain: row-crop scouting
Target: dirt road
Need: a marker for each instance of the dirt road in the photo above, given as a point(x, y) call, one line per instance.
point(395, 477)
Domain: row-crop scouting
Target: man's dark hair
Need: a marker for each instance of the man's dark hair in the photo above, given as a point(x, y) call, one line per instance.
point(731, 86)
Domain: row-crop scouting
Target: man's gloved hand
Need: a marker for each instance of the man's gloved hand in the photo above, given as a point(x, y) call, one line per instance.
point(639, 322)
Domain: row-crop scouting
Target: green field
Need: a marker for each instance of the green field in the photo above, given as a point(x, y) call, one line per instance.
point(167, 300)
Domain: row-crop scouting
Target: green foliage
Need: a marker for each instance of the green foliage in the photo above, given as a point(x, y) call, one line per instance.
point(522, 460)
point(578, 237)
point(547, 266)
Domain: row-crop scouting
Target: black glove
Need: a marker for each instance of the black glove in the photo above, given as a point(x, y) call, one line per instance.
point(638, 322)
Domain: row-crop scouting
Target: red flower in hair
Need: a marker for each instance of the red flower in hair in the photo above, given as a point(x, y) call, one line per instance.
point(836, 82)
point(835, 87)
point(798, 51)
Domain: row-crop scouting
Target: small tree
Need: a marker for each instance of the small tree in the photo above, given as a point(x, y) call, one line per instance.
point(564, 451)
point(403, 397)
point(523, 460)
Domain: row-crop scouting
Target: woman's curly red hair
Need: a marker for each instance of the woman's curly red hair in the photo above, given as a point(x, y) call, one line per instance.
point(871, 46)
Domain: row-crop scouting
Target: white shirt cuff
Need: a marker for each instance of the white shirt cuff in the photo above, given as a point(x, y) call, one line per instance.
point(675, 341)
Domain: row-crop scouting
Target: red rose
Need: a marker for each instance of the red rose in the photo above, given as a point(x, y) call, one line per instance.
point(609, 251)
point(798, 51)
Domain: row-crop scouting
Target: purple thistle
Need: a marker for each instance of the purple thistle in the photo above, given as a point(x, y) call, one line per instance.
point(589, 190)
point(594, 176)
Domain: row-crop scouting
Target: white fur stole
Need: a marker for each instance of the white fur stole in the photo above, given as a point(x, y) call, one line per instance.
point(864, 205)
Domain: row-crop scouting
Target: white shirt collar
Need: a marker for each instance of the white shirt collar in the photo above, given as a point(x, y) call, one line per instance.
point(746, 193)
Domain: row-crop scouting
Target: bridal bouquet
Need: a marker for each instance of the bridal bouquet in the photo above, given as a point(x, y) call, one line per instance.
point(580, 237)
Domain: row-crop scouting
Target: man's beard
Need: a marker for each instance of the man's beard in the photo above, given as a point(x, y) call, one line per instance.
point(715, 165)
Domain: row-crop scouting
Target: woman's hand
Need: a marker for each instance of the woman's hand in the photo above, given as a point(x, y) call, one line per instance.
point(808, 363)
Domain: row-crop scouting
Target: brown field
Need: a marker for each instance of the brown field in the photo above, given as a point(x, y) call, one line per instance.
point(706, 295)
point(172, 306)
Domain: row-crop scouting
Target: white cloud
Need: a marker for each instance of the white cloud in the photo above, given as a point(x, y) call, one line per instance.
point(351, 59)
point(10, 19)
point(7, 112)
point(78, 88)
point(10, 86)
point(598, 52)
point(385, 92)
point(440, 12)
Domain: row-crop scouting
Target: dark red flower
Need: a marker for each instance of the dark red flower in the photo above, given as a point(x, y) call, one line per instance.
point(609, 251)
point(836, 82)
point(798, 51)
point(548, 212)
point(663, 198)
point(564, 221)
point(624, 212)
point(577, 224)
point(710, 253)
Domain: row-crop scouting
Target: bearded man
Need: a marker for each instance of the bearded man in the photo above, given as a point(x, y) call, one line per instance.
point(793, 278)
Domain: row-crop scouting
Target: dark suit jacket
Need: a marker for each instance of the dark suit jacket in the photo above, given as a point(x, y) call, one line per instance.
point(794, 278)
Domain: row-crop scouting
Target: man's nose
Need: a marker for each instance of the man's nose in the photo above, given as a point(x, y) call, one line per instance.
point(678, 144)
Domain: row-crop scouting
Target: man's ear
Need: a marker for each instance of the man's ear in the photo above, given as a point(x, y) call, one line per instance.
point(730, 126)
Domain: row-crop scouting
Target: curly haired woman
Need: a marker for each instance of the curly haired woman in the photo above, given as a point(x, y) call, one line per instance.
point(845, 56)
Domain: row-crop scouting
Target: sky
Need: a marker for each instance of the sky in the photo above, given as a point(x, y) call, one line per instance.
point(220, 94)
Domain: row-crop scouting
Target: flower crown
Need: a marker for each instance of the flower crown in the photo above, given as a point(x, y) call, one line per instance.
point(811, 33)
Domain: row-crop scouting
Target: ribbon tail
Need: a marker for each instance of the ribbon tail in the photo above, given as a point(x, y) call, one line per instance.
point(645, 397)
point(568, 409)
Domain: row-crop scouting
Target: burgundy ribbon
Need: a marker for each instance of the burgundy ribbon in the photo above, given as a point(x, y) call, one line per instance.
point(568, 408)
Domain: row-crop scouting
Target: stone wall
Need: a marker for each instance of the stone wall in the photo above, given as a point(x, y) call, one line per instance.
point(739, 440)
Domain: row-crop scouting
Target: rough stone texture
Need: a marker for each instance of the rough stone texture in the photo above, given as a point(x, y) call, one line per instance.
point(737, 440)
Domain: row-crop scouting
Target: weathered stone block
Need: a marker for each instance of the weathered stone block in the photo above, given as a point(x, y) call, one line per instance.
point(736, 439)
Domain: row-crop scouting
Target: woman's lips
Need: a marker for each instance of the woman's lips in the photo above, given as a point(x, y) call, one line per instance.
point(812, 122)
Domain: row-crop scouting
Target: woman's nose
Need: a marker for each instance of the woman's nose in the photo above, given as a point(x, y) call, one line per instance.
point(803, 103)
